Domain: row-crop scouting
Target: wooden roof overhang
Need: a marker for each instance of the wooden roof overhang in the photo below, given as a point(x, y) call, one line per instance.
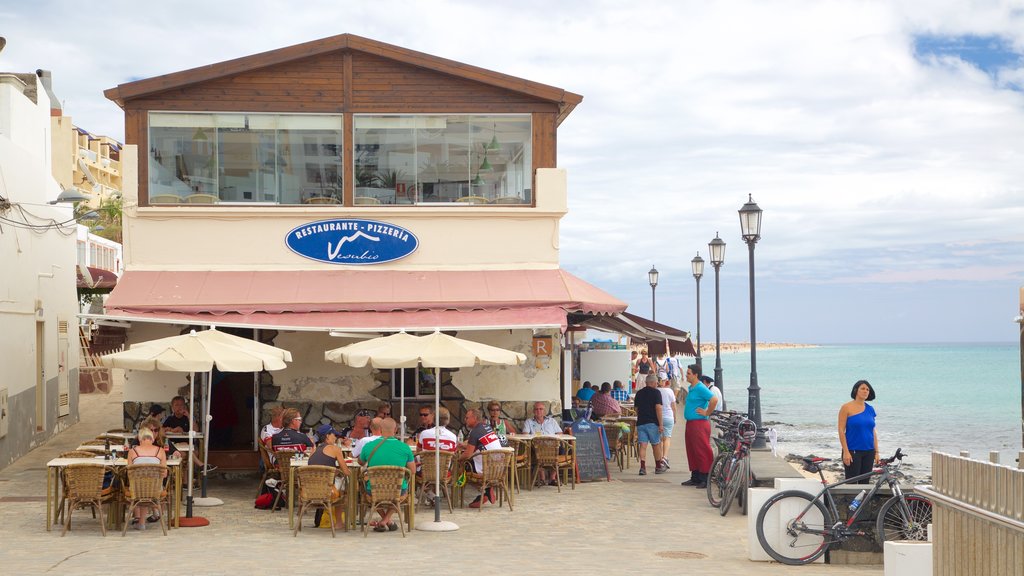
point(565, 100)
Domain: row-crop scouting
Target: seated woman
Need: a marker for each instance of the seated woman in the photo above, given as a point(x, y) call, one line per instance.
point(145, 453)
point(329, 454)
point(501, 426)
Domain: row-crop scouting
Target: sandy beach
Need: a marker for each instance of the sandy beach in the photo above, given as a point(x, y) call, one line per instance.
point(732, 347)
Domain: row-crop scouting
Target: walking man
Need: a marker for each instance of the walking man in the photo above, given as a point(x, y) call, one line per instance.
point(649, 425)
point(700, 403)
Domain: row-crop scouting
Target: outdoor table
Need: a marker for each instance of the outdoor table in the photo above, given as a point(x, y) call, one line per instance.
point(53, 486)
point(184, 438)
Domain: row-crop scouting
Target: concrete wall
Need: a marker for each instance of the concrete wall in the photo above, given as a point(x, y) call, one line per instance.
point(37, 286)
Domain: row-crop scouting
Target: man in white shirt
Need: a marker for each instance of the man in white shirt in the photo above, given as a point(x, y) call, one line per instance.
point(710, 383)
point(541, 423)
point(374, 433)
point(273, 427)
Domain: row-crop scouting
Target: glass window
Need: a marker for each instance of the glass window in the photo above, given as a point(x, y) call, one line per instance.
point(428, 159)
point(244, 158)
point(419, 382)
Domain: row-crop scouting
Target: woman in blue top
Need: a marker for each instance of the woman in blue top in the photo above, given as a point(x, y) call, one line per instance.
point(857, 431)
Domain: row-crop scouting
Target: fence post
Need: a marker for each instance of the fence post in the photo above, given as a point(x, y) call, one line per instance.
point(1020, 460)
point(993, 456)
point(965, 454)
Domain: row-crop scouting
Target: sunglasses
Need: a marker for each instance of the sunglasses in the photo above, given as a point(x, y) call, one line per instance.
point(494, 409)
point(424, 414)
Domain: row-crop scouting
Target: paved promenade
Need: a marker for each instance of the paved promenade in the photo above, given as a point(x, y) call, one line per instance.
point(632, 524)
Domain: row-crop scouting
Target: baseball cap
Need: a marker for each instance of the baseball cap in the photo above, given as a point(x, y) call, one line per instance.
point(156, 410)
point(324, 429)
point(707, 379)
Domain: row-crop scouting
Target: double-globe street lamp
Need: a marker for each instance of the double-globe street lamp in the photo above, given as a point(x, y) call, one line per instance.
point(697, 264)
point(716, 251)
point(750, 227)
point(652, 277)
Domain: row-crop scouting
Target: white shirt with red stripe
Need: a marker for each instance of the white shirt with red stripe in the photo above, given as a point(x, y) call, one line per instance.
point(447, 440)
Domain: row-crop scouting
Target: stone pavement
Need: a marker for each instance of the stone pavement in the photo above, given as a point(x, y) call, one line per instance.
point(632, 524)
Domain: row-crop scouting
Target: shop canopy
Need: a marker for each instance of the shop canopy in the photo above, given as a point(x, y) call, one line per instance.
point(657, 336)
point(360, 300)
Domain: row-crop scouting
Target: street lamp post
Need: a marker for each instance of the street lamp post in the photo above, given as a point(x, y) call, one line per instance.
point(652, 277)
point(750, 226)
point(716, 249)
point(698, 270)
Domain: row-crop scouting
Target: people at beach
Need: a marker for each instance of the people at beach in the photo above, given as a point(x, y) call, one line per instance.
point(857, 432)
point(668, 418)
point(710, 383)
point(644, 366)
point(700, 402)
point(649, 425)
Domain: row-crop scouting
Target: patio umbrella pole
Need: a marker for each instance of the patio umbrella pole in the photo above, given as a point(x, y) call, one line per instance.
point(401, 408)
point(190, 521)
point(203, 500)
point(437, 525)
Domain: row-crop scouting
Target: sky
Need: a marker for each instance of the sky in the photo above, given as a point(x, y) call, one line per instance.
point(883, 140)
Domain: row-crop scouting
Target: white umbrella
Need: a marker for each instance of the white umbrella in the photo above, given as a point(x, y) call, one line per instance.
point(199, 352)
point(437, 350)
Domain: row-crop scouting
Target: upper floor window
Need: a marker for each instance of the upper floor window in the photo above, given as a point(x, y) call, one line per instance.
point(415, 159)
point(209, 158)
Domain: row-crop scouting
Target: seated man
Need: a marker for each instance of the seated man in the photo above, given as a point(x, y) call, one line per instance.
point(374, 433)
point(443, 438)
point(603, 404)
point(426, 420)
point(384, 410)
point(360, 425)
point(586, 393)
point(481, 437)
point(274, 426)
point(178, 422)
point(542, 424)
point(387, 451)
point(619, 393)
point(290, 438)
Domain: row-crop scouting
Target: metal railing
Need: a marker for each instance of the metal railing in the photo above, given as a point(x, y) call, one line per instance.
point(978, 516)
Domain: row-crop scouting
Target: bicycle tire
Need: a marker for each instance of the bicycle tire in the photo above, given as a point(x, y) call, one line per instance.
point(893, 525)
point(741, 497)
point(732, 485)
point(795, 547)
point(716, 480)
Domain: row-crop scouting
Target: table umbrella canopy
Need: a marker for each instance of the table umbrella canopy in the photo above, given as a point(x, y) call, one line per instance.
point(200, 352)
point(437, 350)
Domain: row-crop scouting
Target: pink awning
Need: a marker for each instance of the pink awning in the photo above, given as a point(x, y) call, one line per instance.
point(385, 299)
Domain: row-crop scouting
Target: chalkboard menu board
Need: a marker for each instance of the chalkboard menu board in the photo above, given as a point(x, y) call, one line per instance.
point(591, 450)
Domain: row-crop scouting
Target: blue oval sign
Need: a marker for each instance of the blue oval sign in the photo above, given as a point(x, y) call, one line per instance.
point(350, 241)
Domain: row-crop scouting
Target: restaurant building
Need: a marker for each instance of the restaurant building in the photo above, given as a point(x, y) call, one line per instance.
point(325, 192)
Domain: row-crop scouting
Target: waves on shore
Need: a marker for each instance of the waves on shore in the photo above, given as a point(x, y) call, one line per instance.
point(732, 347)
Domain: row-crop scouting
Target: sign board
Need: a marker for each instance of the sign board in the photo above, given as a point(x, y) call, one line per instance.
point(351, 241)
point(591, 450)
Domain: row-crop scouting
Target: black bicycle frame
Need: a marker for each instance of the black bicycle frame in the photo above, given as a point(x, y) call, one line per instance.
point(826, 496)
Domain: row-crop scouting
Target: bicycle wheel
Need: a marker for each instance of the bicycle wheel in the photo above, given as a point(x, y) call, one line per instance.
point(793, 527)
point(716, 480)
point(897, 522)
point(732, 485)
point(741, 497)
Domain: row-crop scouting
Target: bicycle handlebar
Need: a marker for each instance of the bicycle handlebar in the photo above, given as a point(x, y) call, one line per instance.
point(897, 456)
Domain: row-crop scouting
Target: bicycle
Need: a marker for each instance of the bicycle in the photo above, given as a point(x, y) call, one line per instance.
point(817, 526)
point(726, 423)
point(735, 475)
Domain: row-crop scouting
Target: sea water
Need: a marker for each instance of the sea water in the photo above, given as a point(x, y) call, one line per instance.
point(942, 397)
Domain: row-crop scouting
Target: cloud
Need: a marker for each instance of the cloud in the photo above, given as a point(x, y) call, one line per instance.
point(852, 144)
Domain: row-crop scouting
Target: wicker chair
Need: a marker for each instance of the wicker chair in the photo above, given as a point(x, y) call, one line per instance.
point(546, 457)
point(270, 469)
point(612, 434)
point(429, 478)
point(84, 485)
point(494, 475)
point(316, 490)
point(96, 442)
point(523, 464)
point(77, 454)
point(386, 492)
point(145, 486)
point(283, 458)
